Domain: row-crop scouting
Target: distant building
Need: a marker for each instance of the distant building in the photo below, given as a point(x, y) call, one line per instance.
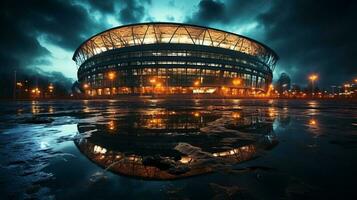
point(283, 83)
point(295, 88)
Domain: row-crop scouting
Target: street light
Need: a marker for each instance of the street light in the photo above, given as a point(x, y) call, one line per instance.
point(347, 86)
point(50, 88)
point(36, 92)
point(313, 77)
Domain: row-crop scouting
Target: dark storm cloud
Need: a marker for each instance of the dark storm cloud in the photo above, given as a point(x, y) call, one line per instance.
point(309, 36)
point(216, 11)
point(209, 11)
point(132, 11)
point(104, 6)
point(126, 11)
point(59, 22)
point(314, 36)
point(64, 24)
point(16, 43)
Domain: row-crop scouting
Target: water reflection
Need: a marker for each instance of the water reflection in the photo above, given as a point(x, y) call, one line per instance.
point(312, 122)
point(313, 127)
point(169, 144)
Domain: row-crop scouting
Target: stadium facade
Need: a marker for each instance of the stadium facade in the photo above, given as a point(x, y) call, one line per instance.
point(173, 58)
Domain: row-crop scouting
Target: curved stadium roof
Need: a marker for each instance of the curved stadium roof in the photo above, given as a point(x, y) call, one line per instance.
point(160, 32)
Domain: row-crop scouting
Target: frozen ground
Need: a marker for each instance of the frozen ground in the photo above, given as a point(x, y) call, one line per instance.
point(187, 149)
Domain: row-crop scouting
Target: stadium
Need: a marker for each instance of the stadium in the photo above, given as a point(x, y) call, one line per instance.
point(173, 58)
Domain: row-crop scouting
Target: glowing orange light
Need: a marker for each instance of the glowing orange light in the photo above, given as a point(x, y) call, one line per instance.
point(155, 122)
point(35, 91)
point(153, 80)
point(196, 114)
point(185, 159)
point(86, 86)
point(237, 81)
point(313, 77)
point(312, 122)
point(270, 89)
point(111, 75)
point(236, 115)
point(111, 125)
point(196, 83)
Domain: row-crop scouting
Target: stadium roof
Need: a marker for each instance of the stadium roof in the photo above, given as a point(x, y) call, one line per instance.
point(163, 32)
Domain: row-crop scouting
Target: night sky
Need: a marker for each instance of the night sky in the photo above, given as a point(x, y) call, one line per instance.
point(39, 37)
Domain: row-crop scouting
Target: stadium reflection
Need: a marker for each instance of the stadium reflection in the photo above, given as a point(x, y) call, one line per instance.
point(170, 144)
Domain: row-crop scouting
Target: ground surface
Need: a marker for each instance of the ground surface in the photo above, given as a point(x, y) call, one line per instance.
point(46, 149)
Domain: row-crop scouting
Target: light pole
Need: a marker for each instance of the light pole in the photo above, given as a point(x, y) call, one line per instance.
point(312, 77)
point(36, 92)
point(333, 90)
point(347, 86)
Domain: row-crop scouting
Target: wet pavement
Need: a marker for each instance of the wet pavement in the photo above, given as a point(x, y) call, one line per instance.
point(187, 149)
